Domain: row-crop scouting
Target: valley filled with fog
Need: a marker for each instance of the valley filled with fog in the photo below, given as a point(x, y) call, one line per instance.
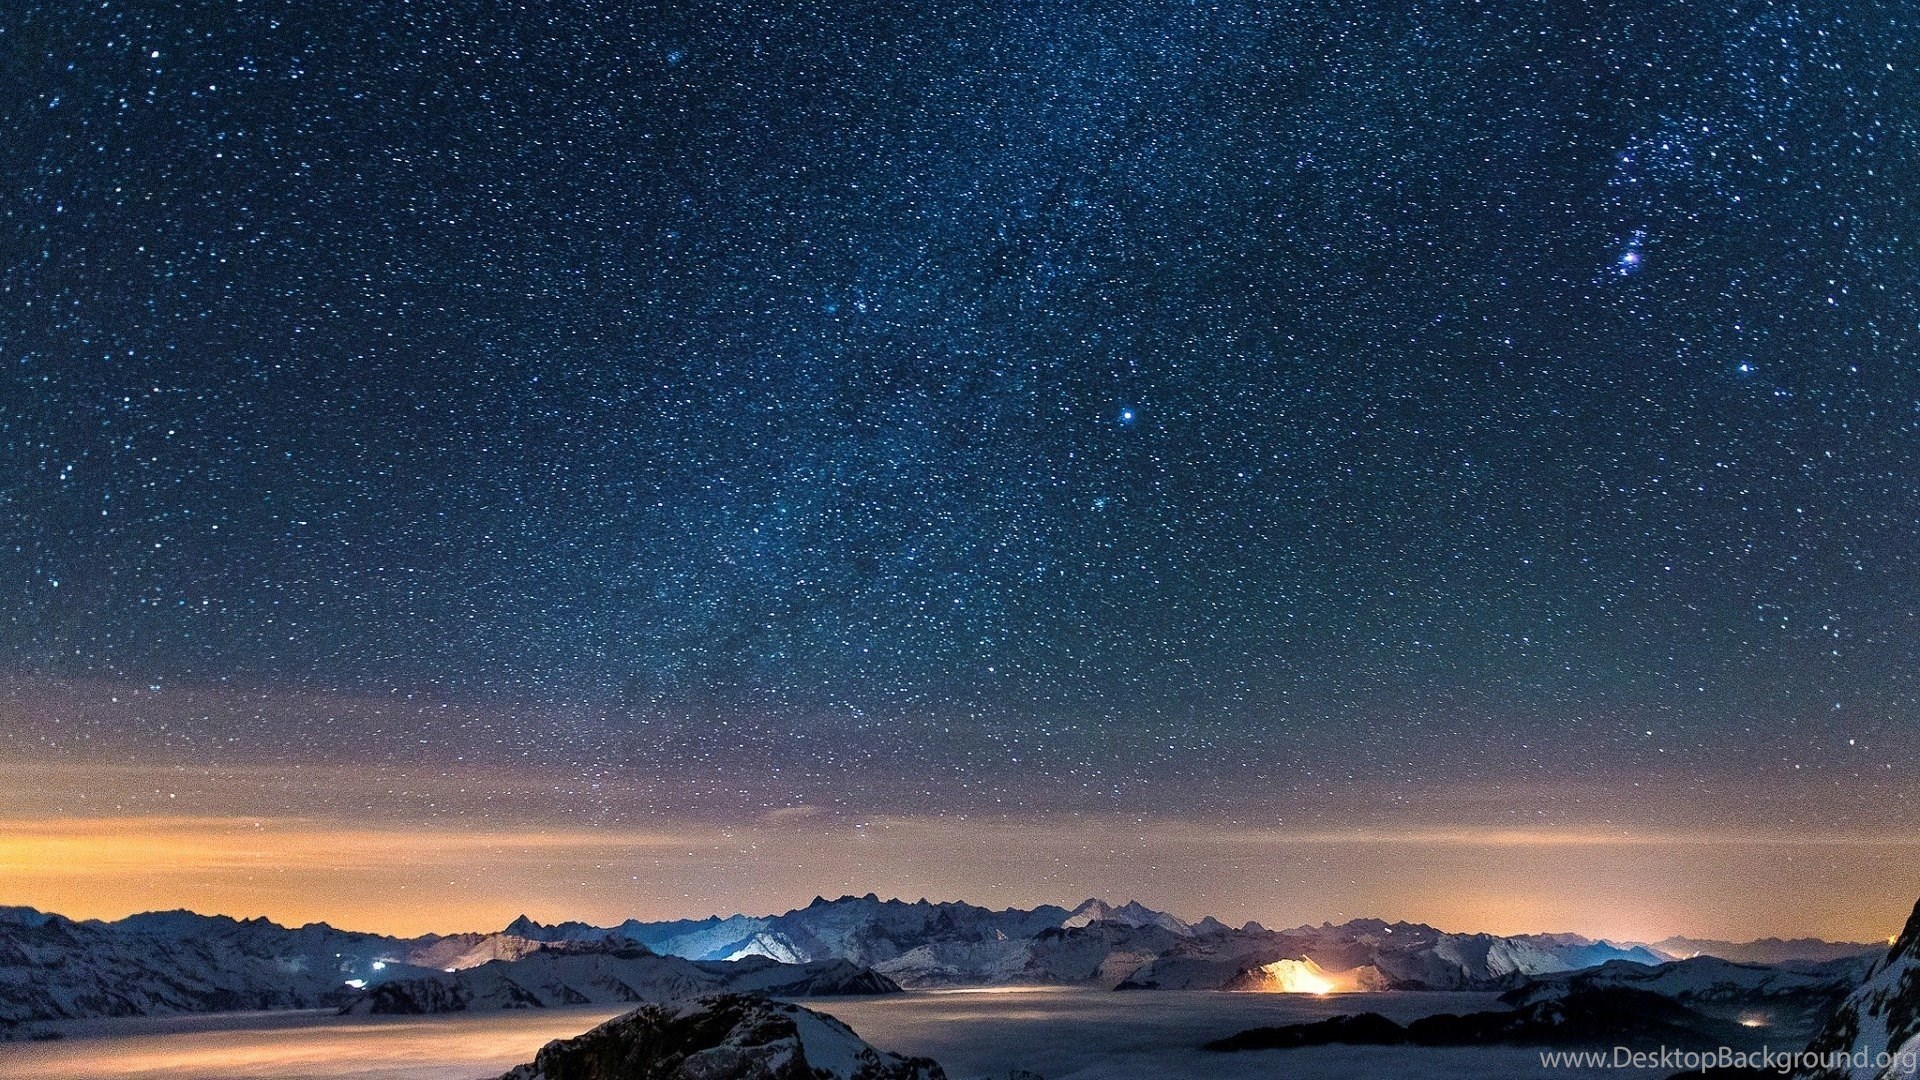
point(1062, 1034)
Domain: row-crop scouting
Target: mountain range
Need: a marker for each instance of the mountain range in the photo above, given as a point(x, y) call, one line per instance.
point(596, 973)
point(1129, 946)
point(1702, 1004)
point(54, 968)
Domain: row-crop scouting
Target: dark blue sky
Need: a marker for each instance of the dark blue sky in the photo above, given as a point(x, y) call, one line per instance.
point(1044, 404)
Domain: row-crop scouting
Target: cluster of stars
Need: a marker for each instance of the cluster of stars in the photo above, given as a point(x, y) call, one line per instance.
point(1078, 405)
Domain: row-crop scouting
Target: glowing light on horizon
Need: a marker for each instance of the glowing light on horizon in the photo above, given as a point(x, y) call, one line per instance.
point(1297, 977)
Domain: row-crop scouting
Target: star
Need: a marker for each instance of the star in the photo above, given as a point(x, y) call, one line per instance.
point(689, 400)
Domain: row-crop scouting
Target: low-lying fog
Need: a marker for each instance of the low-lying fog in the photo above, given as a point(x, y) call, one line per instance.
point(1060, 1034)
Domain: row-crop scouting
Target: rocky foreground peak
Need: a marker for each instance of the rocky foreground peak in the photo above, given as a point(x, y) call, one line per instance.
point(1875, 1034)
point(723, 1037)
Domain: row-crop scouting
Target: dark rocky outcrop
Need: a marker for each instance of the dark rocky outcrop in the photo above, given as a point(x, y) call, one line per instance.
point(722, 1037)
point(1881, 1017)
point(1601, 1018)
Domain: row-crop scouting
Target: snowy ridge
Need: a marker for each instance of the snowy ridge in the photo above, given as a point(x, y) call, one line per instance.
point(53, 968)
point(1881, 1017)
point(1770, 951)
point(590, 974)
point(1703, 979)
point(1408, 956)
point(1131, 913)
point(1131, 946)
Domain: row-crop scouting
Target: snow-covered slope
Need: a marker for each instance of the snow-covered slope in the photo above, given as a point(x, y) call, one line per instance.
point(1131, 913)
point(1398, 955)
point(1788, 1003)
point(924, 944)
point(1878, 1026)
point(871, 931)
point(1774, 952)
point(597, 973)
point(1702, 979)
point(918, 944)
point(720, 1036)
point(54, 968)
point(170, 962)
point(713, 938)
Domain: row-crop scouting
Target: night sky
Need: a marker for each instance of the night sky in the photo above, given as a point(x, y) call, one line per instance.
point(1425, 419)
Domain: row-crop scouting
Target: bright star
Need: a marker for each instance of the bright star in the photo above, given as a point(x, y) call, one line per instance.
point(1629, 258)
point(1126, 416)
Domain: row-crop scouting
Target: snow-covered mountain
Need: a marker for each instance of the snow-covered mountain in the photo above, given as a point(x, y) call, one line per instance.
point(1130, 945)
point(1131, 913)
point(590, 973)
point(1371, 953)
point(1770, 951)
point(917, 944)
point(1877, 1028)
point(726, 1035)
point(54, 968)
point(1703, 979)
point(1788, 1003)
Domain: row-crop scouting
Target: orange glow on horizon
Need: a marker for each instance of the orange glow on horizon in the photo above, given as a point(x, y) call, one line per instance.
point(467, 873)
point(389, 880)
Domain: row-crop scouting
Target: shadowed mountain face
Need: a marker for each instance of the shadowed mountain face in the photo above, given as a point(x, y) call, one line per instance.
point(52, 968)
point(1775, 952)
point(1788, 1003)
point(1400, 956)
point(1128, 946)
point(1587, 1017)
point(587, 973)
point(724, 1037)
point(1701, 1003)
point(1880, 1018)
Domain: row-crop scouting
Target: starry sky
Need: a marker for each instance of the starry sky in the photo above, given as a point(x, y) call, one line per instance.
point(1064, 435)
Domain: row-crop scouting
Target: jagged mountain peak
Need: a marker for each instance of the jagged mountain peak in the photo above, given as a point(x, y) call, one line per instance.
point(848, 899)
point(1882, 1017)
point(1131, 913)
point(1906, 946)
